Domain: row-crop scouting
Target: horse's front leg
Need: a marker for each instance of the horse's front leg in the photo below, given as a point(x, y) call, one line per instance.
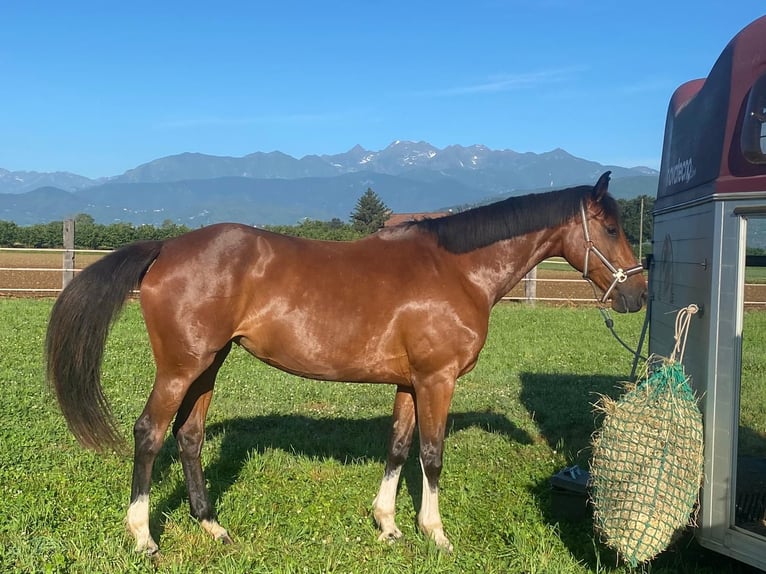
point(402, 429)
point(434, 397)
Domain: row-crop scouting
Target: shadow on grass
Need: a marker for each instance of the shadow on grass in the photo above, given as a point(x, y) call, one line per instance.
point(562, 407)
point(561, 404)
point(343, 439)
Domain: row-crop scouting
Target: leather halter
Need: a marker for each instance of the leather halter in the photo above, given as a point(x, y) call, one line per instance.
point(619, 275)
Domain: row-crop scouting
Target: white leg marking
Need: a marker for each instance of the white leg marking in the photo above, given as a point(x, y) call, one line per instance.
point(384, 507)
point(429, 519)
point(138, 523)
point(215, 530)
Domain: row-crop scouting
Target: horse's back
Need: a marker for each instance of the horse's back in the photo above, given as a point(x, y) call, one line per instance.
point(227, 258)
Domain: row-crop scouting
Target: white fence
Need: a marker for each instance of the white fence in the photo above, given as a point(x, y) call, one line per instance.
point(44, 280)
point(17, 279)
point(39, 279)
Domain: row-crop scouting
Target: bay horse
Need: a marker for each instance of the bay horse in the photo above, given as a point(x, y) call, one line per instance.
point(407, 305)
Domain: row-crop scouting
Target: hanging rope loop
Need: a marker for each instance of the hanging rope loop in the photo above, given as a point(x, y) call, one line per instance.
point(683, 318)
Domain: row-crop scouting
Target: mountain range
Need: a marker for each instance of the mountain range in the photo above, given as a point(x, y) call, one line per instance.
point(275, 188)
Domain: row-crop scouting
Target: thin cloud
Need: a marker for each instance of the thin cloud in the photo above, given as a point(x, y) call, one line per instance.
point(503, 83)
point(646, 85)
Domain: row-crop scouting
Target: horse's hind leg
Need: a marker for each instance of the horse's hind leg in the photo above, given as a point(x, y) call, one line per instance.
point(170, 388)
point(149, 434)
point(189, 430)
point(402, 429)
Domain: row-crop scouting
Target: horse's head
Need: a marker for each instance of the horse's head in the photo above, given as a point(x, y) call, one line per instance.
point(597, 247)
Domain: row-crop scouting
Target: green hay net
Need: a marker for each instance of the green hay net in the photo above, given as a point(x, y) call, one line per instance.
point(646, 466)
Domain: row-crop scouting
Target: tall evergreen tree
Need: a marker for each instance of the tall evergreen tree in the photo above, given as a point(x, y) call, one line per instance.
point(370, 213)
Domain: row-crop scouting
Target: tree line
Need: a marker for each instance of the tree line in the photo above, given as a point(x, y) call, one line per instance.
point(88, 233)
point(636, 216)
point(369, 214)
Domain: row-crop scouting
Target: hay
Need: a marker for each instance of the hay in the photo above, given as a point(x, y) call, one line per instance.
point(646, 467)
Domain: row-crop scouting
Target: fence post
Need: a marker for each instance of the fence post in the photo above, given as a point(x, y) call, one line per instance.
point(530, 286)
point(68, 267)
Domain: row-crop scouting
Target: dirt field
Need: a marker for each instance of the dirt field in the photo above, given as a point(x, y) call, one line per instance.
point(19, 270)
point(25, 275)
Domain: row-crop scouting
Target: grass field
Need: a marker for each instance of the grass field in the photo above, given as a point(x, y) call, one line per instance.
point(293, 465)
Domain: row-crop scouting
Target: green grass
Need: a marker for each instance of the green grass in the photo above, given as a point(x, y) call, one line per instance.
point(293, 465)
point(755, 275)
point(556, 264)
point(752, 429)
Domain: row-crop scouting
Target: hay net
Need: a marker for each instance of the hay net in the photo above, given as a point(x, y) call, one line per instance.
point(646, 466)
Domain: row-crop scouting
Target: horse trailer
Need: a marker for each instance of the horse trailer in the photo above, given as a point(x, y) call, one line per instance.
point(709, 226)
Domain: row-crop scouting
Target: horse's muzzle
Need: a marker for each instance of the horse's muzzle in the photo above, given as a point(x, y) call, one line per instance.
point(628, 301)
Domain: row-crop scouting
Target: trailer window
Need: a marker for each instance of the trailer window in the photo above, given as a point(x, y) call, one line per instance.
point(750, 500)
point(754, 124)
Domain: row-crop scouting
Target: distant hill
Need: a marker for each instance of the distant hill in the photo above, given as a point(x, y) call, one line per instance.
point(275, 188)
point(24, 181)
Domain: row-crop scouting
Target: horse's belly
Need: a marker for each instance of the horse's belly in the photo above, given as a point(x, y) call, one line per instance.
point(330, 360)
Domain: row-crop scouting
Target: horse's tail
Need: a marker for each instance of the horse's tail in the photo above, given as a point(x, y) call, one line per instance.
point(77, 331)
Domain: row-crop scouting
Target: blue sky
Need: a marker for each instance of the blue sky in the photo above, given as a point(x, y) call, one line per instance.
point(97, 88)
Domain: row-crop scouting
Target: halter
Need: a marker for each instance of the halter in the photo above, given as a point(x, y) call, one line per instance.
point(619, 275)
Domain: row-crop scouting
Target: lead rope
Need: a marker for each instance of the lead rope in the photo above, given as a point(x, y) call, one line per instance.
point(609, 322)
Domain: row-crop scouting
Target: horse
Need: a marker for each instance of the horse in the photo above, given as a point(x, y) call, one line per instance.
point(407, 305)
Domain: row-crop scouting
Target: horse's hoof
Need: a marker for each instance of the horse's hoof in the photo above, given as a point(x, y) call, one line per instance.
point(150, 550)
point(441, 542)
point(391, 536)
point(225, 539)
point(444, 545)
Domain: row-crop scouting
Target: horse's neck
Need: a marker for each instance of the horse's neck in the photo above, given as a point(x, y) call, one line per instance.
point(497, 268)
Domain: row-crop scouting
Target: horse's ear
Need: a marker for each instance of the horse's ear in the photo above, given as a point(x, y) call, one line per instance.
point(601, 187)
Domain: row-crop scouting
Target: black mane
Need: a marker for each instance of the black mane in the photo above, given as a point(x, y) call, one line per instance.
point(512, 217)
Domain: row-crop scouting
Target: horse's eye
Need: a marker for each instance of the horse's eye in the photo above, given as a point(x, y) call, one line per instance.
point(612, 230)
